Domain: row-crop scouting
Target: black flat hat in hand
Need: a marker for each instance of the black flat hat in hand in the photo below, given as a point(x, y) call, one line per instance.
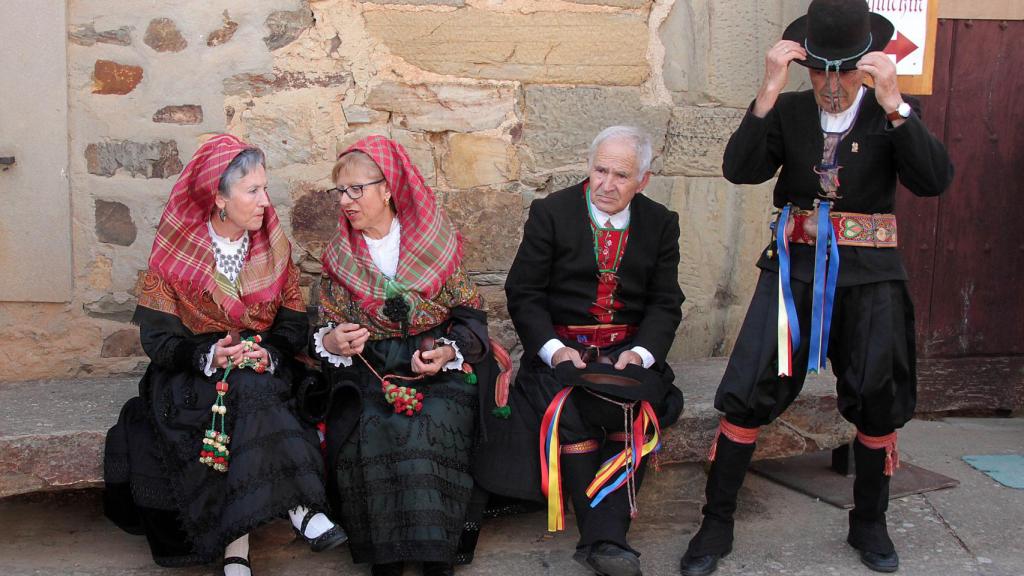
point(839, 32)
point(631, 383)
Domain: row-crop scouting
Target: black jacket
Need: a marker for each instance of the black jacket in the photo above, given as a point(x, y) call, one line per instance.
point(790, 137)
point(553, 279)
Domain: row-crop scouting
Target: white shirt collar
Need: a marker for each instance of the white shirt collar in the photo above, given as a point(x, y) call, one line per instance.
point(841, 121)
point(218, 239)
point(384, 251)
point(619, 220)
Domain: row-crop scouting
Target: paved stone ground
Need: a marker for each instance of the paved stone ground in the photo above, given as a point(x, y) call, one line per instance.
point(975, 529)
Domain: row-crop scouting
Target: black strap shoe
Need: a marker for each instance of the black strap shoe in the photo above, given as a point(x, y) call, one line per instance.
point(237, 560)
point(332, 538)
point(880, 562)
point(607, 559)
point(698, 565)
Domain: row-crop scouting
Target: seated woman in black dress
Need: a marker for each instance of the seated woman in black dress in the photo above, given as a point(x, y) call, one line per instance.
point(219, 311)
point(402, 342)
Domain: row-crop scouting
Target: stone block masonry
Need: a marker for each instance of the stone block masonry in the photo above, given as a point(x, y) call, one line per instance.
point(496, 102)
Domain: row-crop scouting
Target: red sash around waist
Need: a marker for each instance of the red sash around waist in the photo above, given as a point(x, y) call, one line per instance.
point(599, 335)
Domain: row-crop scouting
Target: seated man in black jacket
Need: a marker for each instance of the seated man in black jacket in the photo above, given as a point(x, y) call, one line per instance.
point(595, 279)
point(833, 259)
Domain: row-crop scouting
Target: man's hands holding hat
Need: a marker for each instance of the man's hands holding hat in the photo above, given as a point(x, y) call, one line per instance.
point(569, 354)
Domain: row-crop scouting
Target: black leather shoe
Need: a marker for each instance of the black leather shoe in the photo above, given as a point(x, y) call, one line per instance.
point(880, 562)
point(332, 538)
point(698, 565)
point(607, 559)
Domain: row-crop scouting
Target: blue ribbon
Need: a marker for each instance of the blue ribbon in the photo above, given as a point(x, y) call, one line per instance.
point(781, 247)
point(613, 486)
point(826, 272)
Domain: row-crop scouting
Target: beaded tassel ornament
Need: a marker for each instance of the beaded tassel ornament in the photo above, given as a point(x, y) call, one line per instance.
point(214, 452)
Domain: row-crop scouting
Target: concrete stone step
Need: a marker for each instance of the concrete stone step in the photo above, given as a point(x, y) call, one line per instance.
point(52, 431)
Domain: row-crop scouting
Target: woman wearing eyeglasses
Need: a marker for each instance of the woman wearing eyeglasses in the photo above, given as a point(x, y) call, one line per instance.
point(402, 341)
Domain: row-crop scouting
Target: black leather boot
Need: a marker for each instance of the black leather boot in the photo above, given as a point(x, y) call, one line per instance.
point(714, 539)
point(868, 533)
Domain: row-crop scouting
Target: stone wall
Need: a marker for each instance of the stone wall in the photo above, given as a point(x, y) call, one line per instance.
point(495, 100)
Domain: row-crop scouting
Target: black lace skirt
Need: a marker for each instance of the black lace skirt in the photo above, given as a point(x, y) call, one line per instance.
point(155, 484)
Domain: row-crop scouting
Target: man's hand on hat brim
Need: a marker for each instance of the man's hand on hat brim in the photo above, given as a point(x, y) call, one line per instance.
point(882, 70)
point(776, 74)
point(568, 354)
point(628, 357)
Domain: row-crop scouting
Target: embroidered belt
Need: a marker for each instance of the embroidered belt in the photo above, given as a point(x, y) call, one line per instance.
point(599, 335)
point(851, 228)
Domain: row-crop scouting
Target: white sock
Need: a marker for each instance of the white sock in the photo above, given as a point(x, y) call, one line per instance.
point(318, 524)
point(239, 548)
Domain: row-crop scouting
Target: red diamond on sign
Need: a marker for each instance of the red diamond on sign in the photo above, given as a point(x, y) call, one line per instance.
point(900, 47)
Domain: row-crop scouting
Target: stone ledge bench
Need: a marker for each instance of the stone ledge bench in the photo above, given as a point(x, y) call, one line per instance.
point(52, 431)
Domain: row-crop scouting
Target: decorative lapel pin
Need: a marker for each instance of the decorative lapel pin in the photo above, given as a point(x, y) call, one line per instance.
point(855, 148)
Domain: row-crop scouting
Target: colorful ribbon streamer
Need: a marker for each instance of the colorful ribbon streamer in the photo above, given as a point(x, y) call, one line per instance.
point(551, 461)
point(826, 272)
point(789, 324)
point(550, 458)
point(625, 459)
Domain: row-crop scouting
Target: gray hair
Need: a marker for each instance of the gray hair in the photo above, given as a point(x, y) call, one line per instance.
point(241, 165)
point(641, 145)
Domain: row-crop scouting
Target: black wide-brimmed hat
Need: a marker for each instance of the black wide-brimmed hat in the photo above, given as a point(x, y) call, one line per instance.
point(631, 383)
point(838, 32)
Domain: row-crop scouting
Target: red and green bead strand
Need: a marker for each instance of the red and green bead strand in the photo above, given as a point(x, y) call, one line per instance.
point(214, 452)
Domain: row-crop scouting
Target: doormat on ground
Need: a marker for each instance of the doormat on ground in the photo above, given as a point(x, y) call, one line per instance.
point(1007, 469)
point(812, 474)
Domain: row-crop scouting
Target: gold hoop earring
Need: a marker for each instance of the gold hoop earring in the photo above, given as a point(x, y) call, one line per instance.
point(223, 214)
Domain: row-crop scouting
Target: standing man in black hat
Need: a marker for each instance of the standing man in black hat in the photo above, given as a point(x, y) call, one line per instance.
point(593, 292)
point(832, 284)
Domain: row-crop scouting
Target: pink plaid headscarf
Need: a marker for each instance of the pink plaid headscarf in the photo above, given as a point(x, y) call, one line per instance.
point(183, 252)
point(430, 250)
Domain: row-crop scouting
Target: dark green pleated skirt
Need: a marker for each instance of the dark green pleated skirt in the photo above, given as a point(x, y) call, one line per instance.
point(402, 483)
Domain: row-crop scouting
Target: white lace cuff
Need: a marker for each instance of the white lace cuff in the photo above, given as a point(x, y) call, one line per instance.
point(456, 363)
point(208, 368)
point(336, 360)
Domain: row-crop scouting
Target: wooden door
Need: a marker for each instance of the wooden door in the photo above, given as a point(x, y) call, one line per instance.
point(964, 251)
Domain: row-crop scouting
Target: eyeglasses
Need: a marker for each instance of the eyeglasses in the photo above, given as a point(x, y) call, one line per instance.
point(354, 191)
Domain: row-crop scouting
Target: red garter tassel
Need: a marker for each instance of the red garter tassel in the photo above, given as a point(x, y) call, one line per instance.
point(892, 456)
